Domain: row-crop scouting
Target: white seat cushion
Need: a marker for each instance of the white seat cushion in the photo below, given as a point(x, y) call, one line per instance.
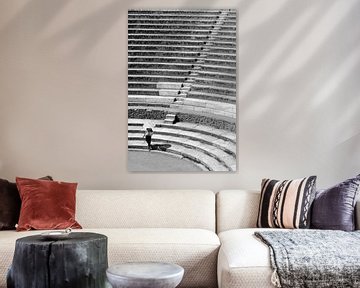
point(244, 261)
point(196, 250)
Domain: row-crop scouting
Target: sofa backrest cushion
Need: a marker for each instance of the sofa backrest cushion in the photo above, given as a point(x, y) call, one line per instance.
point(146, 209)
point(236, 209)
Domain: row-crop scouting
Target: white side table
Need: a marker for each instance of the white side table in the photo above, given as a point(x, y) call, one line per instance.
point(145, 275)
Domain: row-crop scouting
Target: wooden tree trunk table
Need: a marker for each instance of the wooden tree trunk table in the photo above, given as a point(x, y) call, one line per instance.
point(78, 261)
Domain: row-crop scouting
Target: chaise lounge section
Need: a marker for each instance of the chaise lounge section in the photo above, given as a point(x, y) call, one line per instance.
point(244, 260)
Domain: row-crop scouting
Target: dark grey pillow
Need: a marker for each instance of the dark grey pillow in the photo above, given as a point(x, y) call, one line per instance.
point(9, 205)
point(334, 208)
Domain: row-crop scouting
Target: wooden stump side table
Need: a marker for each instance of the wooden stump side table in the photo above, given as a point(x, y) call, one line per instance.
point(78, 261)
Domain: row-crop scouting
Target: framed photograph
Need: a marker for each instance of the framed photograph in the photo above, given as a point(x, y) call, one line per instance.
point(182, 90)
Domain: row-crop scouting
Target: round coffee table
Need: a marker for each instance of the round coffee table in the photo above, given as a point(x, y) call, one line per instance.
point(145, 275)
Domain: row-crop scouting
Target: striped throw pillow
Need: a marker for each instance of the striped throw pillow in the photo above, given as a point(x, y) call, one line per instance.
point(286, 204)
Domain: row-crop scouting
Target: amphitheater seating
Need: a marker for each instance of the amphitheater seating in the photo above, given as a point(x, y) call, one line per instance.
point(211, 149)
point(184, 61)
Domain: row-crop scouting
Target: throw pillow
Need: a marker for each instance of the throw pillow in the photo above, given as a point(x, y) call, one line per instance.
point(46, 204)
point(10, 204)
point(334, 208)
point(286, 204)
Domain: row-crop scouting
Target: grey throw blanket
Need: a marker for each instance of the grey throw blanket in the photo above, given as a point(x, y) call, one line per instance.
point(314, 258)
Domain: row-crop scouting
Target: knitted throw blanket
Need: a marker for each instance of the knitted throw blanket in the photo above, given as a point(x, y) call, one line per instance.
point(313, 258)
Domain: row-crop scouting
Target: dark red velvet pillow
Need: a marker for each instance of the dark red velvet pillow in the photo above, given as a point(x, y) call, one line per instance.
point(10, 204)
point(46, 204)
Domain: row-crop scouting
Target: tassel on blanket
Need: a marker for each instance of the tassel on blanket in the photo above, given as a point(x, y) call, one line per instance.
point(275, 280)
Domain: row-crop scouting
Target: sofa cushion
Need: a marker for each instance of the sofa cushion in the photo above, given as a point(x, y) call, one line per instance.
point(286, 204)
point(153, 209)
point(46, 204)
point(334, 208)
point(236, 209)
point(244, 261)
point(194, 249)
point(9, 205)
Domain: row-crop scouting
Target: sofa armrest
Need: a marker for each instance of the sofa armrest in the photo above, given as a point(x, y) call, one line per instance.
point(357, 215)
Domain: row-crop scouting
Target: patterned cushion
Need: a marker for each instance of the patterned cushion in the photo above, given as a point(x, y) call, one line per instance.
point(286, 204)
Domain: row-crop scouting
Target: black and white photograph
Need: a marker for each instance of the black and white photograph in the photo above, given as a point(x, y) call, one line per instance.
point(182, 90)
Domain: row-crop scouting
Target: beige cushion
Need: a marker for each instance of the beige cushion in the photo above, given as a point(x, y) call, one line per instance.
point(236, 209)
point(146, 209)
point(244, 261)
point(194, 249)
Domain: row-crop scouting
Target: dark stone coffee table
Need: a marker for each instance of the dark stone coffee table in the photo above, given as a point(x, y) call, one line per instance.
point(79, 260)
point(145, 275)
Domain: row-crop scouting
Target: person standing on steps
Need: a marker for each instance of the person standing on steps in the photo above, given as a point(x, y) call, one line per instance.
point(147, 134)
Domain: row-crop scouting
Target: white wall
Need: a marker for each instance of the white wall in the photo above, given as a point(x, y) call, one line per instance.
point(63, 92)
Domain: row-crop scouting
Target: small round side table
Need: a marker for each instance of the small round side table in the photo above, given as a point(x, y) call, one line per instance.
point(145, 275)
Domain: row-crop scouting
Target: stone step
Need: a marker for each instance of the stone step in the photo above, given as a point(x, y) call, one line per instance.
point(219, 133)
point(168, 85)
point(212, 89)
point(170, 119)
point(150, 99)
point(156, 78)
point(198, 128)
point(143, 91)
point(157, 65)
point(210, 140)
point(176, 20)
point(165, 48)
point(160, 72)
point(170, 31)
point(212, 97)
point(194, 155)
point(151, 106)
point(169, 92)
point(201, 111)
point(225, 140)
point(155, 42)
point(219, 155)
point(217, 75)
point(191, 12)
point(220, 62)
point(178, 26)
point(141, 84)
point(216, 81)
point(164, 53)
point(161, 59)
point(202, 37)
